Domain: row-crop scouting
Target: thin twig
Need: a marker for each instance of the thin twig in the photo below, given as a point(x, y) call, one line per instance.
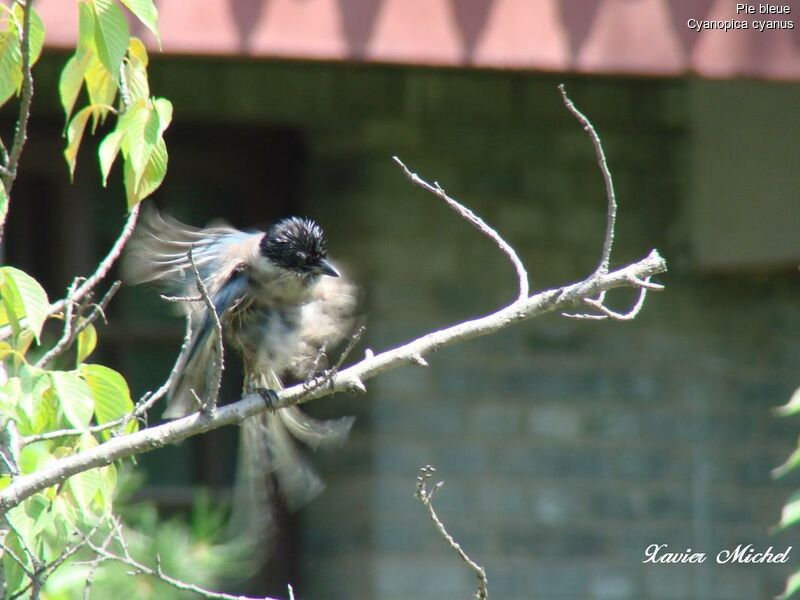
point(3, 156)
point(66, 337)
point(99, 309)
point(102, 269)
point(60, 433)
point(22, 564)
point(480, 224)
point(425, 495)
point(21, 133)
point(351, 343)
point(35, 562)
point(611, 215)
point(147, 401)
point(12, 468)
point(215, 376)
point(105, 265)
point(124, 93)
point(607, 313)
point(158, 573)
point(94, 564)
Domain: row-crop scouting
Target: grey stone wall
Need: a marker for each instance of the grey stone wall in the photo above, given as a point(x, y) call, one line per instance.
point(567, 447)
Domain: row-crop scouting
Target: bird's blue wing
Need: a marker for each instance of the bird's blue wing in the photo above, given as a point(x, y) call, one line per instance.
point(227, 296)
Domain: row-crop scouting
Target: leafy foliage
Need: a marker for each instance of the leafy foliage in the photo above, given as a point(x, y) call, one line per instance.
point(109, 63)
point(11, 51)
point(51, 413)
point(790, 516)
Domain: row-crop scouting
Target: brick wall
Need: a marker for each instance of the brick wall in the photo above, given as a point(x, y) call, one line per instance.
point(567, 447)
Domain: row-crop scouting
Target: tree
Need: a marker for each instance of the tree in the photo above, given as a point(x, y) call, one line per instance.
point(65, 431)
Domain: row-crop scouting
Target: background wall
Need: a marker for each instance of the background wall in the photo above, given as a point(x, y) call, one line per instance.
point(567, 447)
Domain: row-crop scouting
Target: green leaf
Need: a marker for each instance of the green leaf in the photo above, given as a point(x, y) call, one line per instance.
point(14, 575)
point(110, 34)
point(107, 152)
point(790, 408)
point(792, 587)
point(23, 524)
point(791, 463)
point(107, 489)
point(112, 397)
point(74, 397)
point(136, 71)
point(100, 85)
point(146, 12)
point(85, 27)
point(74, 136)
point(46, 410)
point(152, 177)
point(11, 51)
point(24, 341)
point(164, 109)
point(141, 126)
point(10, 64)
point(71, 81)
point(790, 515)
point(85, 485)
point(22, 297)
point(3, 204)
point(86, 343)
point(137, 51)
point(10, 396)
point(36, 34)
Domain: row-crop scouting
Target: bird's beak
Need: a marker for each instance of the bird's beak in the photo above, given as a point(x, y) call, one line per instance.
point(327, 268)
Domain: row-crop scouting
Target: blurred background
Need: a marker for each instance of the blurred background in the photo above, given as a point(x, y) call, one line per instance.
point(567, 446)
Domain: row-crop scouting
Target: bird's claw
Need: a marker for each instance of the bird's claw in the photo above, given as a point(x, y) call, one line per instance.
point(319, 379)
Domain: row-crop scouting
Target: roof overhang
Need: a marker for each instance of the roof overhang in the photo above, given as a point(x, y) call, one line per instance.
point(637, 37)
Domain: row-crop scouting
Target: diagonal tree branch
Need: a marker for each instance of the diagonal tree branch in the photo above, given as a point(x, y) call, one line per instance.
point(158, 573)
point(611, 215)
point(480, 225)
point(348, 379)
point(424, 494)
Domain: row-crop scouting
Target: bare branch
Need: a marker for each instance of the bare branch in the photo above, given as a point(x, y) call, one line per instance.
point(425, 495)
point(87, 588)
point(611, 216)
point(480, 224)
point(11, 446)
point(105, 265)
point(59, 433)
point(348, 379)
point(215, 376)
point(66, 337)
point(124, 92)
point(99, 309)
point(11, 161)
point(3, 157)
point(158, 573)
point(22, 564)
point(606, 313)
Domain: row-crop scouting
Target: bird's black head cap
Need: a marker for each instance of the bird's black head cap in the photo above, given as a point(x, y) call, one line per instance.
point(296, 244)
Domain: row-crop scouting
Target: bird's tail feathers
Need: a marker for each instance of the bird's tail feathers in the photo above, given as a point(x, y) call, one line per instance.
point(192, 382)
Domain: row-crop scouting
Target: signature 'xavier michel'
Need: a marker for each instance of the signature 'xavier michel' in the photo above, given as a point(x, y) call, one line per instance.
point(742, 554)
